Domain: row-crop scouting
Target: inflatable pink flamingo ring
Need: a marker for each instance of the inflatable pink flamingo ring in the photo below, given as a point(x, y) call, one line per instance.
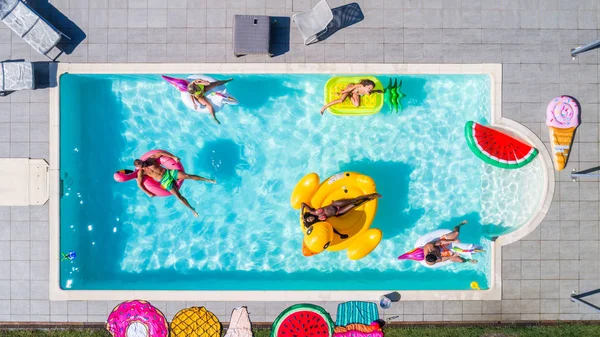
point(152, 185)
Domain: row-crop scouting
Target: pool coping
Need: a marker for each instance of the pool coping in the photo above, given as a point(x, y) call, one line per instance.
point(495, 287)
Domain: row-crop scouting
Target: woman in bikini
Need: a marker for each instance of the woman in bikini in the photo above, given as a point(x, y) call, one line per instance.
point(198, 88)
point(364, 87)
point(439, 251)
point(335, 209)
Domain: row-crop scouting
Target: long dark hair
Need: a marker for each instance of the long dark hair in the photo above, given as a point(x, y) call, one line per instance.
point(365, 82)
point(431, 257)
point(307, 223)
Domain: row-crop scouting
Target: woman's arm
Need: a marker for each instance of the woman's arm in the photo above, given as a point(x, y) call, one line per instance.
point(194, 101)
point(309, 209)
point(428, 248)
point(349, 89)
point(203, 82)
point(453, 258)
point(442, 242)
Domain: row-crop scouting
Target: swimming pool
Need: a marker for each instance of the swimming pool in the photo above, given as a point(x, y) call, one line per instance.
point(247, 236)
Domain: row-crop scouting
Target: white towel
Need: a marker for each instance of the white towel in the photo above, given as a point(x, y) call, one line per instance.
point(239, 324)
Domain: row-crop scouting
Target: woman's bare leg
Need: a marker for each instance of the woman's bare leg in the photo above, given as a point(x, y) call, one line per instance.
point(450, 236)
point(355, 100)
point(346, 205)
point(337, 101)
point(334, 102)
point(216, 84)
point(360, 199)
point(207, 104)
point(460, 224)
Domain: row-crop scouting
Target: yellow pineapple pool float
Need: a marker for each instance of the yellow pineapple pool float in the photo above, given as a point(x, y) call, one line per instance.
point(195, 322)
point(369, 104)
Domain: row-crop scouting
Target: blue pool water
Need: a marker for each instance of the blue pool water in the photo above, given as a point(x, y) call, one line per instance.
point(247, 237)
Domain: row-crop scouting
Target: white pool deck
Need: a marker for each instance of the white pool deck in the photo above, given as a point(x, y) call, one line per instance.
point(493, 70)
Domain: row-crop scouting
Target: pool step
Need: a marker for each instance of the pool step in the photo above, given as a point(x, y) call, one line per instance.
point(24, 182)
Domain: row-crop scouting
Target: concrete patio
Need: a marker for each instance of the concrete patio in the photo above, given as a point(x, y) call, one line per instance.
point(531, 38)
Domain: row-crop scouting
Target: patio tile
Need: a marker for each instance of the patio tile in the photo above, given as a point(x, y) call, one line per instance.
point(117, 18)
point(19, 251)
point(176, 18)
point(20, 307)
point(19, 270)
point(19, 290)
point(549, 289)
point(40, 307)
point(39, 290)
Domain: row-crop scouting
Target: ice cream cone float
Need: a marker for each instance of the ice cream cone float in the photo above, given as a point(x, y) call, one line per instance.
point(562, 118)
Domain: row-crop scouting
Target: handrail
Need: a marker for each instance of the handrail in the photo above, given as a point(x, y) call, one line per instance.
point(578, 298)
point(583, 49)
point(585, 173)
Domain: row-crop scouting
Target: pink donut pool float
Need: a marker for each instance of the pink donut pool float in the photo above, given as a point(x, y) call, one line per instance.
point(152, 185)
point(137, 318)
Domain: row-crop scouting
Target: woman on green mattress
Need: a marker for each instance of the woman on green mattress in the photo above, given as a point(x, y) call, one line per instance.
point(354, 91)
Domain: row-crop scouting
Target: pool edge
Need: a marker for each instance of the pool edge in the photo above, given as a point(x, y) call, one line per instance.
point(57, 294)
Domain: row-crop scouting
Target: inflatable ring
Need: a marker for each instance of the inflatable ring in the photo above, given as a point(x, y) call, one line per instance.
point(152, 185)
point(217, 96)
point(356, 224)
point(136, 318)
point(417, 254)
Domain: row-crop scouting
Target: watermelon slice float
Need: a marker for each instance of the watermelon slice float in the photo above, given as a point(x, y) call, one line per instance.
point(303, 320)
point(497, 148)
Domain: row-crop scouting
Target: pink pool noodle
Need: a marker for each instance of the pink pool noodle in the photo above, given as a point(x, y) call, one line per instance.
point(136, 311)
point(152, 185)
point(178, 83)
point(415, 254)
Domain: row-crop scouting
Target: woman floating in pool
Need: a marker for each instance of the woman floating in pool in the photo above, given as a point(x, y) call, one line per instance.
point(197, 88)
point(364, 87)
point(335, 209)
point(443, 249)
